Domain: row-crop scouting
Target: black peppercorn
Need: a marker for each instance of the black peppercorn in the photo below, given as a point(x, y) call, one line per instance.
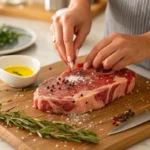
point(81, 95)
point(47, 87)
point(51, 90)
point(86, 102)
point(73, 101)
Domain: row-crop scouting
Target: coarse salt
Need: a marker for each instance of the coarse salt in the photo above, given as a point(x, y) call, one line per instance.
point(74, 78)
point(30, 133)
point(101, 129)
point(34, 140)
point(80, 123)
point(56, 145)
point(65, 142)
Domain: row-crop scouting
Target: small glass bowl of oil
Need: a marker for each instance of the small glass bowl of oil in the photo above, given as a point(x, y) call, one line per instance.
point(19, 70)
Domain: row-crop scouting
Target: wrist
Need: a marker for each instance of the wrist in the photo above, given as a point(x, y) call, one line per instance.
point(146, 38)
point(80, 4)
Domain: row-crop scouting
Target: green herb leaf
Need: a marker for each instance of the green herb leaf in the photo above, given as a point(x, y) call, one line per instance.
point(17, 73)
point(8, 36)
point(46, 128)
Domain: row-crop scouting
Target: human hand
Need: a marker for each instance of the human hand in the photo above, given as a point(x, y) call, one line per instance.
point(119, 50)
point(75, 21)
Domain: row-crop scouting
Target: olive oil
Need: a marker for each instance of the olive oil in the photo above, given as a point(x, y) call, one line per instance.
point(19, 70)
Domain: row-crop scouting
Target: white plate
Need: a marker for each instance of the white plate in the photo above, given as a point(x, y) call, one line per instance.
point(22, 43)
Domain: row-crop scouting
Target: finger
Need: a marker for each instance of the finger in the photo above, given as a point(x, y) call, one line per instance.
point(104, 54)
point(80, 38)
point(68, 42)
point(121, 64)
point(102, 44)
point(113, 59)
point(60, 54)
point(54, 44)
point(59, 40)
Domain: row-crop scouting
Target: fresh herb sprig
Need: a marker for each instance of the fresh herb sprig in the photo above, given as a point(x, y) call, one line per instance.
point(8, 36)
point(46, 128)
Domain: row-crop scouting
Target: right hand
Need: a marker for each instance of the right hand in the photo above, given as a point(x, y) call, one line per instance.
point(75, 21)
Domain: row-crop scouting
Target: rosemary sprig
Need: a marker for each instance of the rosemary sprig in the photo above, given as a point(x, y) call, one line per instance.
point(8, 36)
point(46, 128)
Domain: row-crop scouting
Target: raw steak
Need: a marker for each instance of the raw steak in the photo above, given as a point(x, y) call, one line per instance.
point(79, 91)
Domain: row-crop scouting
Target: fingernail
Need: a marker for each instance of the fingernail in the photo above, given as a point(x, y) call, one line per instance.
point(71, 65)
point(86, 65)
point(77, 52)
point(69, 59)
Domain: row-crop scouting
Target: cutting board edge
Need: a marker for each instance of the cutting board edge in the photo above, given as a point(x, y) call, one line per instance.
point(8, 136)
point(132, 140)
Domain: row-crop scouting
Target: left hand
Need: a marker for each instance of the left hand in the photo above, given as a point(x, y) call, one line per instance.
point(119, 50)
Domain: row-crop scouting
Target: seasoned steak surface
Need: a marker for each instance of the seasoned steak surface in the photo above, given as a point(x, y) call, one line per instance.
point(79, 91)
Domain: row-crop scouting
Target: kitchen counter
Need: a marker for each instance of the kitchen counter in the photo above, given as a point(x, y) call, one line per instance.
point(44, 51)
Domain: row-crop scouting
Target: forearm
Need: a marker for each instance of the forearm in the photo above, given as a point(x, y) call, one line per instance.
point(80, 3)
point(146, 37)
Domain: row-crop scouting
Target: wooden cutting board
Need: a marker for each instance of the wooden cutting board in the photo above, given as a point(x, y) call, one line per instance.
point(98, 121)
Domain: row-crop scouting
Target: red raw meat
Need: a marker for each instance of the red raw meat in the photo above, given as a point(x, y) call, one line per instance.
point(79, 91)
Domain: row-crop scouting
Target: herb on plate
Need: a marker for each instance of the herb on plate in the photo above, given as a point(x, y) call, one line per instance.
point(46, 128)
point(8, 36)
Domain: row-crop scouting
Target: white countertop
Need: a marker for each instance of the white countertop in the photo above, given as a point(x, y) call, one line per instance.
point(44, 51)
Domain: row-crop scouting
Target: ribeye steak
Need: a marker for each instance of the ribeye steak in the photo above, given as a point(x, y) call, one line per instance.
point(79, 91)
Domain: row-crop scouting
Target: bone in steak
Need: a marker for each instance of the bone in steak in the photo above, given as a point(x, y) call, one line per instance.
point(79, 91)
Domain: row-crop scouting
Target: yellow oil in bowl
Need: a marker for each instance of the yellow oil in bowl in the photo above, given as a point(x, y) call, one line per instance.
point(19, 70)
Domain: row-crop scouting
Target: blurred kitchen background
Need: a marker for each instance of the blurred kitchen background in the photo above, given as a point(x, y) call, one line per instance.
point(42, 9)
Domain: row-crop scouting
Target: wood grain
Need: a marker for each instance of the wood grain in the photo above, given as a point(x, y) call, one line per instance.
point(98, 121)
point(36, 11)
